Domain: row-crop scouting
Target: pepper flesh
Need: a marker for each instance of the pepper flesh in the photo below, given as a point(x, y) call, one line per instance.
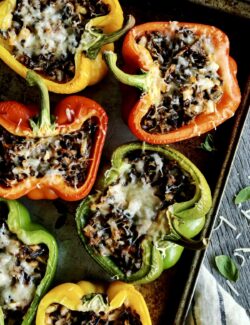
point(70, 295)
point(20, 224)
point(17, 118)
point(87, 71)
point(180, 221)
point(136, 57)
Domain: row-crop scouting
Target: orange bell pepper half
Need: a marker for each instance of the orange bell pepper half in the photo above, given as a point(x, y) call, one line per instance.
point(201, 52)
point(44, 159)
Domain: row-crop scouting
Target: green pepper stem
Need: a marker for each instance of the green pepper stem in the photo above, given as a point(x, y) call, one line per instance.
point(176, 237)
point(138, 81)
point(43, 124)
point(93, 40)
point(186, 242)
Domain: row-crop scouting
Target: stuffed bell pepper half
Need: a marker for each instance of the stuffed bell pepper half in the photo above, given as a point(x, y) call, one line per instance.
point(88, 303)
point(188, 83)
point(146, 208)
point(28, 259)
point(60, 40)
point(47, 156)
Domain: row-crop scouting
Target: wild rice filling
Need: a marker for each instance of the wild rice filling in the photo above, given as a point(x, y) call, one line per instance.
point(193, 84)
point(46, 34)
point(67, 155)
point(57, 314)
point(122, 217)
point(22, 267)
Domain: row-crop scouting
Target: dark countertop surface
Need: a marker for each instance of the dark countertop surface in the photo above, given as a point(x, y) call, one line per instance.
point(226, 239)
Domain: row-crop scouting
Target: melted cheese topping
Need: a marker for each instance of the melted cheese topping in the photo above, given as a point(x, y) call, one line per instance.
point(190, 74)
point(129, 210)
point(44, 31)
point(45, 35)
point(18, 274)
point(136, 200)
point(63, 155)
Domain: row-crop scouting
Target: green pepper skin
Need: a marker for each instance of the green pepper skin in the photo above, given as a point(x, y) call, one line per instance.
point(29, 233)
point(188, 217)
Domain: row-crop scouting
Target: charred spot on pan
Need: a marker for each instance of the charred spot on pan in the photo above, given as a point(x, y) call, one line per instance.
point(65, 155)
point(193, 85)
point(22, 267)
point(4, 212)
point(122, 217)
point(57, 313)
point(62, 210)
point(45, 34)
point(61, 221)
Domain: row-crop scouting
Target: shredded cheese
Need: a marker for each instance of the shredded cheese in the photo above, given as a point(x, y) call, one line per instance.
point(232, 288)
point(246, 213)
point(136, 199)
point(243, 249)
point(70, 113)
point(223, 219)
point(238, 236)
point(50, 34)
point(242, 258)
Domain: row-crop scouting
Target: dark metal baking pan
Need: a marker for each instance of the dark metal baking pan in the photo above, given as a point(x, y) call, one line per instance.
point(168, 297)
point(235, 7)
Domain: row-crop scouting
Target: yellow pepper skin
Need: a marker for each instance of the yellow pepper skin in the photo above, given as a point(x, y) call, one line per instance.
point(87, 71)
point(70, 295)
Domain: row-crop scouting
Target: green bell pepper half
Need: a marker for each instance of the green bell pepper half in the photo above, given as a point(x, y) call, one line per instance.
point(29, 233)
point(183, 220)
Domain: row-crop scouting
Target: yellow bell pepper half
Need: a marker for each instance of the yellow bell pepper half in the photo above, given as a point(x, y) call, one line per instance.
point(72, 295)
point(87, 71)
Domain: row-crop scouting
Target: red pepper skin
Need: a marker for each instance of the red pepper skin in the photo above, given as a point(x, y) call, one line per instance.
point(14, 117)
point(137, 57)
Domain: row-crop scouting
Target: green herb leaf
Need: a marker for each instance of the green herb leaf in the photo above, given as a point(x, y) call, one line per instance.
point(243, 195)
point(227, 267)
point(208, 144)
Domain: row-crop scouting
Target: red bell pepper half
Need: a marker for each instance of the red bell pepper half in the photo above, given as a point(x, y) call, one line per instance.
point(188, 83)
point(46, 159)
